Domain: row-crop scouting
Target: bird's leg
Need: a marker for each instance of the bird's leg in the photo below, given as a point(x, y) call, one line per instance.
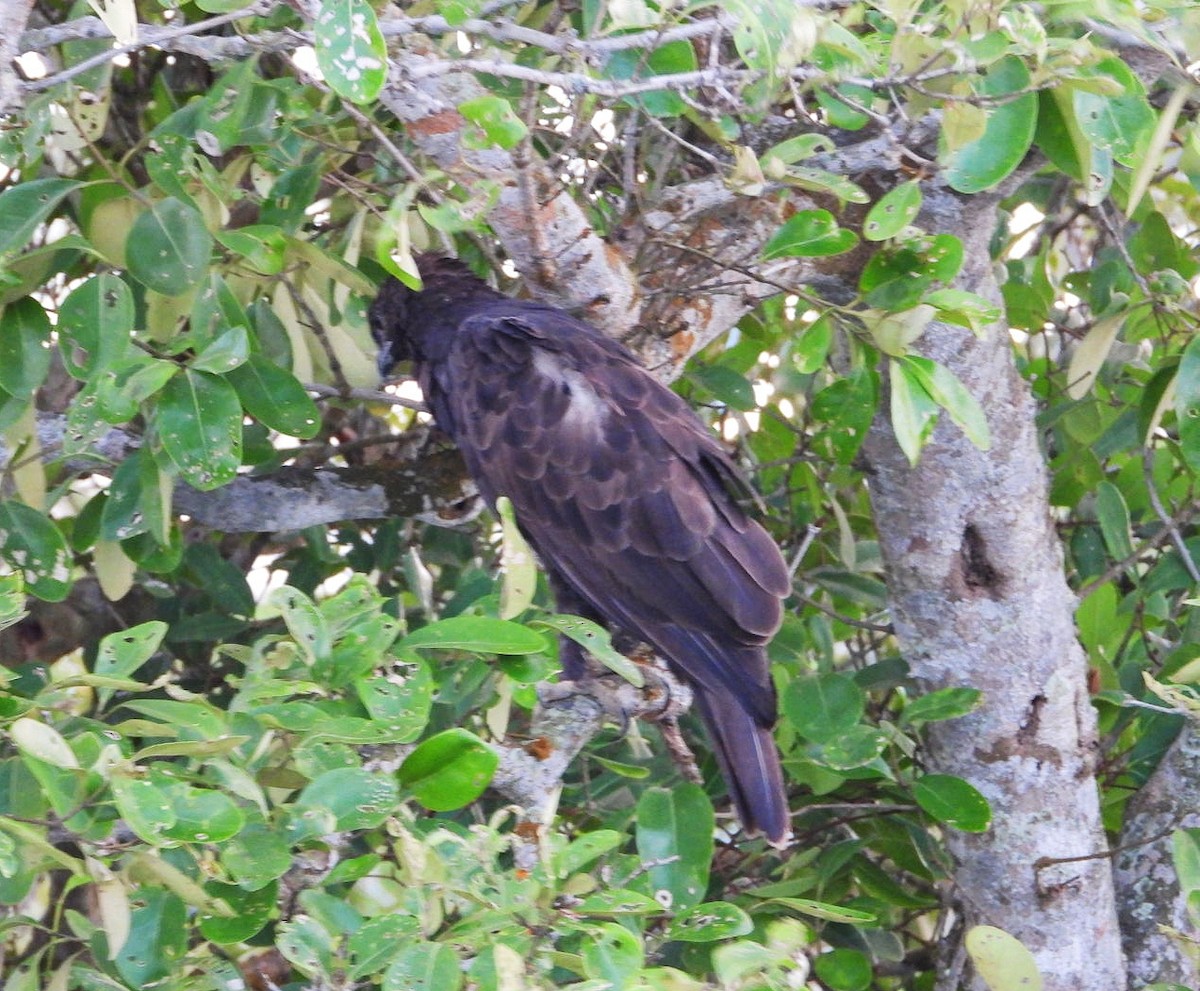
point(673, 698)
point(680, 753)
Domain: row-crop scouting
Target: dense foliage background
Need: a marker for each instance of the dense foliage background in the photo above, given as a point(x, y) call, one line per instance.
point(255, 687)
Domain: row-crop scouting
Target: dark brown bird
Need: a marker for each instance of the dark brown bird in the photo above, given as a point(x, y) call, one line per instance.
point(621, 491)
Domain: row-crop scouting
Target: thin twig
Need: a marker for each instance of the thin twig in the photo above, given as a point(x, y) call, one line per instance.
point(364, 395)
point(1167, 521)
point(858, 624)
point(1157, 540)
point(148, 36)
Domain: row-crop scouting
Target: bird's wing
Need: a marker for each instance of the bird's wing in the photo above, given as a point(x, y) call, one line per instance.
point(621, 490)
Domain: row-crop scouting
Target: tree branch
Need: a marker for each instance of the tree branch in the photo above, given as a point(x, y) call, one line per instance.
point(13, 17)
point(433, 488)
point(568, 715)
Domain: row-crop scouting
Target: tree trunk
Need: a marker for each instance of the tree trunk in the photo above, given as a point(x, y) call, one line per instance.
point(1148, 890)
point(979, 598)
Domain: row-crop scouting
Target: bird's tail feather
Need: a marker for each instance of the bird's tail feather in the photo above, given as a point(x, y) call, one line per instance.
point(750, 764)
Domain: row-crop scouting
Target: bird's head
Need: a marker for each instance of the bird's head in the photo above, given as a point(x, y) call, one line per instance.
point(419, 324)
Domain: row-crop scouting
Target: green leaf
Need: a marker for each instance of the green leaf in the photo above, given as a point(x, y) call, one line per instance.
point(618, 902)
point(612, 954)
point(138, 377)
point(494, 116)
point(811, 348)
point(809, 234)
point(250, 911)
point(195, 717)
point(373, 945)
point(1185, 852)
point(894, 332)
point(709, 922)
point(963, 308)
point(12, 603)
point(856, 747)
point(256, 856)
point(983, 163)
point(848, 406)
point(914, 412)
point(424, 967)
point(200, 423)
point(31, 544)
point(1001, 960)
point(169, 247)
point(275, 397)
point(306, 945)
point(27, 204)
point(518, 569)
point(844, 970)
point(841, 114)
point(725, 385)
point(1091, 353)
point(157, 938)
point(584, 850)
point(202, 815)
point(223, 354)
point(824, 910)
point(1187, 403)
point(24, 355)
point(263, 246)
point(1113, 516)
point(773, 36)
point(351, 51)
point(449, 770)
point(945, 703)
point(1118, 123)
point(776, 158)
point(823, 707)
point(305, 622)
point(457, 11)
point(478, 633)
point(143, 806)
point(945, 389)
point(1058, 135)
point(675, 834)
point(120, 654)
point(123, 516)
point(94, 324)
point(40, 740)
point(669, 59)
point(597, 641)
point(345, 798)
point(952, 800)
point(895, 210)
point(402, 702)
point(830, 184)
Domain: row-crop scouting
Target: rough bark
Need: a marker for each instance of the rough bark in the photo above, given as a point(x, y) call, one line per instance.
point(535, 218)
point(978, 597)
point(13, 16)
point(1149, 897)
point(431, 486)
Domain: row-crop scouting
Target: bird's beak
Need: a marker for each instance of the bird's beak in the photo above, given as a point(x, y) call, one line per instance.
point(384, 361)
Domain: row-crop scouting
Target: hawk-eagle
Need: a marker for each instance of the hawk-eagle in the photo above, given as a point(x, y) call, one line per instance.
point(621, 490)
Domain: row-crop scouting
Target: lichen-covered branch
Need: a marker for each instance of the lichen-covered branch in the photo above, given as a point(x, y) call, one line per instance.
point(433, 487)
point(13, 16)
point(1148, 894)
point(567, 716)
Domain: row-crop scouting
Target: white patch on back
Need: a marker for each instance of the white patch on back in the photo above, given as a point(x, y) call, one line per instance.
point(586, 411)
